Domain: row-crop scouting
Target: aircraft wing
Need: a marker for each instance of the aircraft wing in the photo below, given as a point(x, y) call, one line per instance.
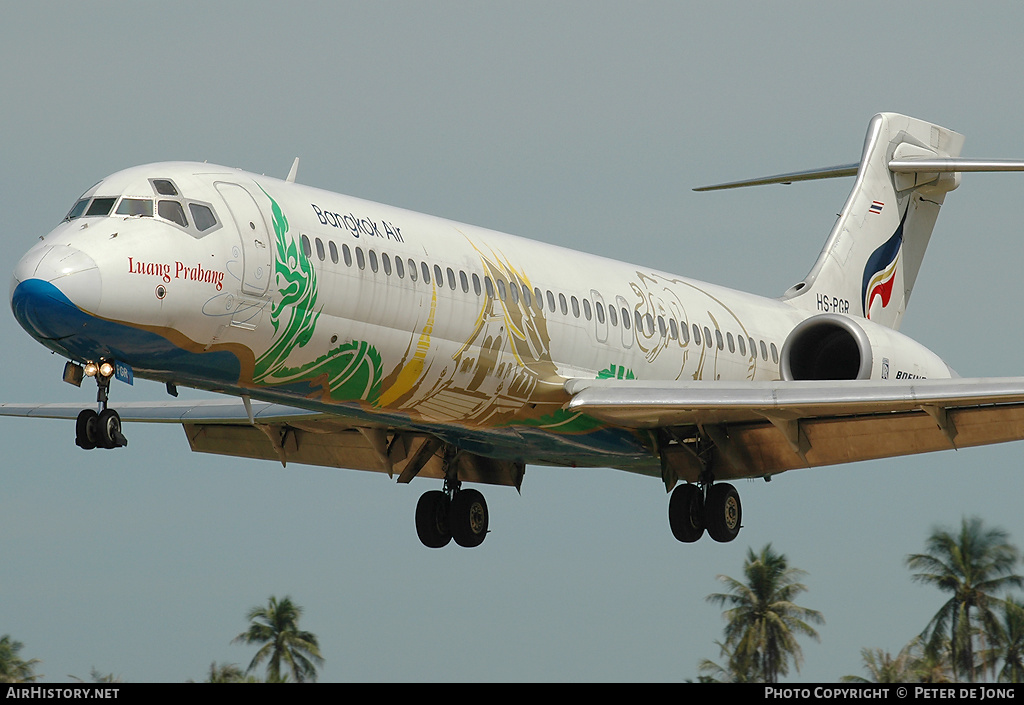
point(289, 434)
point(225, 411)
point(763, 428)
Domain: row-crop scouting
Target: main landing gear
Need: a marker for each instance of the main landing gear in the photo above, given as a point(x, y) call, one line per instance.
point(714, 507)
point(99, 429)
point(451, 513)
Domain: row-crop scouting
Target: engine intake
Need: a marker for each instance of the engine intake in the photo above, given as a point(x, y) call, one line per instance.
point(827, 347)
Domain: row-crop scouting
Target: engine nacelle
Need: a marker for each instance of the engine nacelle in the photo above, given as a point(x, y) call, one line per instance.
point(833, 347)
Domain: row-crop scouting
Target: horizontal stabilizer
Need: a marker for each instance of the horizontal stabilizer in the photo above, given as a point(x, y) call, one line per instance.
point(897, 166)
point(828, 172)
point(910, 166)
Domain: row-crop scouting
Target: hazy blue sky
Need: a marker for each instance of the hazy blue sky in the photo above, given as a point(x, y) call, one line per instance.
point(584, 124)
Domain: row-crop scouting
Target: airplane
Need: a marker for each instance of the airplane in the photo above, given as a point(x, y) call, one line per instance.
point(350, 334)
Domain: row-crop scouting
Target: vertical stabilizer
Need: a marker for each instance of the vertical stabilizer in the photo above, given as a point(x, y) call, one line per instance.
point(872, 256)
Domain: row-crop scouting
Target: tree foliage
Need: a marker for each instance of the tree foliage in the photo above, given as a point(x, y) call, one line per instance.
point(283, 646)
point(763, 620)
point(972, 566)
point(14, 669)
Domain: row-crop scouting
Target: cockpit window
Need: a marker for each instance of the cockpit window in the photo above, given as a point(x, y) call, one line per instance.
point(101, 206)
point(164, 187)
point(77, 209)
point(172, 211)
point(202, 216)
point(135, 206)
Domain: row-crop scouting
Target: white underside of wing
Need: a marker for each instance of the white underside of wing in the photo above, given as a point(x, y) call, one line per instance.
point(650, 404)
point(176, 411)
point(760, 429)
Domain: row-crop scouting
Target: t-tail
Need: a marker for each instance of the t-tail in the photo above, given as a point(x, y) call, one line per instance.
point(872, 256)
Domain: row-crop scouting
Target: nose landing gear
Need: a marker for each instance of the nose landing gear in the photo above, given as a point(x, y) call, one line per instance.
point(99, 429)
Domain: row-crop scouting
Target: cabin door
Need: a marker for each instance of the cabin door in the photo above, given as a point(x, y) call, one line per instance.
point(254, 253)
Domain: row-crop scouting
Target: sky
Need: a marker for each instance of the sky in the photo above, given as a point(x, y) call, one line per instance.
point(584, 124)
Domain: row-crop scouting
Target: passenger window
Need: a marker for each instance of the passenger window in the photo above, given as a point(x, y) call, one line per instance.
point(538, 297)
point(729, 340)
point(386, 263)
point(526, 296)
point(661, 327)
point(320, 255)
point(743, 345)
point(707, 336)
point(612, 316)
point(425, 270)
point(464, 281)
point(649, 324)
point(673, 329)
point(625, 319)
point(753, 348)
point(476, 284)
point(307, 250)
point(138, 206)
point(438, 276)
point(639, 322)
point(501, 288)
point(202, 216)
point(696, 334)
point(346, 253)
point(360, 258)
point(103, 206)
point(164, 187)
point(562, 304)
point(333, 249)
point(599, 308)
point(764, 352)
point(718, 339)
point(586, 308)
point(168, 210)
point(489, 285)
point(575, 306)
point(412, 270)
point(399, 268)
point(775, 353)
point(451, 279)
point(373, 260)
point(513, 292)
point(684, 332)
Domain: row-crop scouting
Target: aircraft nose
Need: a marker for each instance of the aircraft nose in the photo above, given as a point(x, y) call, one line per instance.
point(52, 287)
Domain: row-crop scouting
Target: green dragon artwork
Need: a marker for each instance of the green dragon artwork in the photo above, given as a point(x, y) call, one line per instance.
point(349, 372)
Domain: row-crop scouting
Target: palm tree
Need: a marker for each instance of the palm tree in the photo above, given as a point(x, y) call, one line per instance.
point(973, 566)
point(711, 672)
point(276, 628)
point(763, 621)
point(12, 668)
point(882, 667)
point(1009, 644)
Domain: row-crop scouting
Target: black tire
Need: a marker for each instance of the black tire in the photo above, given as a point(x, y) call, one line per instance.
point(432, 519)
point(109, 430)
point(468, 518)
point(723, 513)
point(686, 513)
point(86, 429)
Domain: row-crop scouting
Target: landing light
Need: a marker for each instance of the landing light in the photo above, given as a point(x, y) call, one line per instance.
point(106, 369)
point(90, 369)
